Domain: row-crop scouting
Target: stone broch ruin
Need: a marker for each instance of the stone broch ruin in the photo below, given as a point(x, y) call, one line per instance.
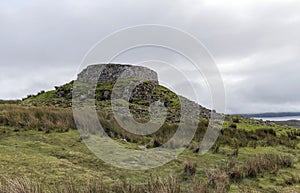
point(100, 73)
point(111, 72)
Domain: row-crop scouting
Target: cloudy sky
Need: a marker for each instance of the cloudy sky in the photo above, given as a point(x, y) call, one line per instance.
point(255, 43)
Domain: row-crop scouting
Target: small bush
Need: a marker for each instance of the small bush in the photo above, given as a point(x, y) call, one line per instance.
point(189, 168)
point(235, 173)
point(233, 125)
point(236, 119)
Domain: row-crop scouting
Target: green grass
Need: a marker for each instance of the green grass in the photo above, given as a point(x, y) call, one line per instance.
point(54, 98)
point(41, 143)
point(61, 157)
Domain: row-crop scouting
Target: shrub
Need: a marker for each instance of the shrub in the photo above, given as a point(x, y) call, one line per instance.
point(189, 168)
point(236, 119)
point(233, 125)
point(235, 173)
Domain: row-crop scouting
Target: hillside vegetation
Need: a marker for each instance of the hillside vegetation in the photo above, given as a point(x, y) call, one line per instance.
point(40, 147)
point(41, 150)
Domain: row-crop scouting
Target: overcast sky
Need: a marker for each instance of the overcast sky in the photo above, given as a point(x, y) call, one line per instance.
point(256, 44)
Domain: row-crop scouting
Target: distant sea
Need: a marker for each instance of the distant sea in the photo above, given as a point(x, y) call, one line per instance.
point(287, 118)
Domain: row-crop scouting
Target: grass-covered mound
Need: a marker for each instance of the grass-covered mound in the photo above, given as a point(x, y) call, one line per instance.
point(142, 97)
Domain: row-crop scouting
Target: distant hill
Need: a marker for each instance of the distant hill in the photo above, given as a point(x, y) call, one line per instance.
point(10, 101)
point(271, 114)
point(291, 123)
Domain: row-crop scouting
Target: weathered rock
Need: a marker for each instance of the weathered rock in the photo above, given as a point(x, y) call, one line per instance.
point(143, 148)
point(106, 94)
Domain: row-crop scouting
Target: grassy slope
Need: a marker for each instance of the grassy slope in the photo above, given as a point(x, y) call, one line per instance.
point(58, 157)
point(54, 99)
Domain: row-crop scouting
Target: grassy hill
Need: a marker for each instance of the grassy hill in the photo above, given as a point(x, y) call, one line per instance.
point(41, 150)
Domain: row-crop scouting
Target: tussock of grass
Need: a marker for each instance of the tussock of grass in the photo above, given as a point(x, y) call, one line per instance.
point(40, 118)
point(218, 180)
point(19, 185)
point(25, 185)
point(266, 163)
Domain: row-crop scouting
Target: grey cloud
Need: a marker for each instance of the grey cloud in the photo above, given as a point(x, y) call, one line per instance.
point(256, 44)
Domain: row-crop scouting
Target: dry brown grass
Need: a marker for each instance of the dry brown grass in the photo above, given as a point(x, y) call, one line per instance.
point(157, 185)
point(218, 180)
point(19, 185)
point(200, 187)
point(91, 186)
point(168, 185)
point(25, 185)
point(261, 164)
point(234, 172)
point(40, 118)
